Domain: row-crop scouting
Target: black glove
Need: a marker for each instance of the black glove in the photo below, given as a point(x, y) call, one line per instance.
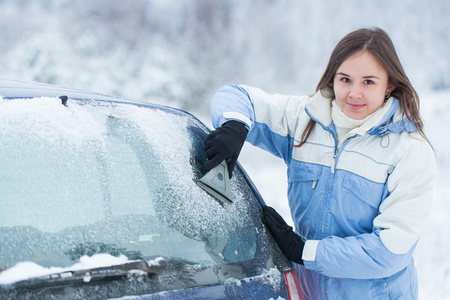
point(290, 243)
point(225, 143)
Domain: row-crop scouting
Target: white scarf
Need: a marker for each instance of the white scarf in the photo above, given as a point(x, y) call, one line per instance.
point(347, 127)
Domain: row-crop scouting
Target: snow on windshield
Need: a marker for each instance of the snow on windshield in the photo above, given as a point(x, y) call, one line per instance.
point(68, 141)
point(182, 204)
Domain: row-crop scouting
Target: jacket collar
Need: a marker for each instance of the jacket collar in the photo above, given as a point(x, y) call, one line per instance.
point(319, 109)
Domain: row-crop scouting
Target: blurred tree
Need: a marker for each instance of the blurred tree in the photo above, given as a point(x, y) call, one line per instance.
point(179, 52)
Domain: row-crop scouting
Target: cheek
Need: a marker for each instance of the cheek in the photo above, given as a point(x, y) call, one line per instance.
point(340, 94)
point(376, 102)
point(376, 98)
point(378, 93)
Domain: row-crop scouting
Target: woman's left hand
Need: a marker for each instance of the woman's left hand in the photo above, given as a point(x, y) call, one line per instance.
point(290, 243)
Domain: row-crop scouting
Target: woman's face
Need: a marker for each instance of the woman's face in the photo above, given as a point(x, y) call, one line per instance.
point(360, 85)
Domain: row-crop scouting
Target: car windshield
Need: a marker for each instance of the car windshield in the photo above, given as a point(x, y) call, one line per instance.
point(118, 179)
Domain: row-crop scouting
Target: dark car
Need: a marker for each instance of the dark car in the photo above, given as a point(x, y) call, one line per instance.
point(99, 199)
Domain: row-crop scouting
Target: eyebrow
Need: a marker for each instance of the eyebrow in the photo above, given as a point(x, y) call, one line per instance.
point(367, 76)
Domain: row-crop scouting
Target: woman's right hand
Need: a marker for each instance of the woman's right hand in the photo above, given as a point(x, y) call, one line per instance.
point(225, 143)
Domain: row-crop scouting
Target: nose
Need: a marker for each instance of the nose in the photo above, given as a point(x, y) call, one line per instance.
point(355, 92)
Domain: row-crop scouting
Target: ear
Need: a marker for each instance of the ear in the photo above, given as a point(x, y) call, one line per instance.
point(390, 89)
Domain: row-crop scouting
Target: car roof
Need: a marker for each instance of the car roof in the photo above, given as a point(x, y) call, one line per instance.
point(17, 89)
point(22, 89)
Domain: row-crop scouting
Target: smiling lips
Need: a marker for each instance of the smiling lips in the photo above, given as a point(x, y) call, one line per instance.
point(355, 106)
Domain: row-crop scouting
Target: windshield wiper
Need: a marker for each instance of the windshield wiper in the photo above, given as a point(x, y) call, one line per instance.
point(138, 267)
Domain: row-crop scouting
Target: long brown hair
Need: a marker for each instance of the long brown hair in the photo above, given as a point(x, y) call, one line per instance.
point(377, 42)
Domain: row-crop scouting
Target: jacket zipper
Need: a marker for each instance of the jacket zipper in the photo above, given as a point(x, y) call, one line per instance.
point(333, 162)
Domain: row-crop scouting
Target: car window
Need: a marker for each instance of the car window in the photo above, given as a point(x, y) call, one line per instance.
point(120, 179)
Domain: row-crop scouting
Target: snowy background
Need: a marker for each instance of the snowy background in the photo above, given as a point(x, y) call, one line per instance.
point(178, 52)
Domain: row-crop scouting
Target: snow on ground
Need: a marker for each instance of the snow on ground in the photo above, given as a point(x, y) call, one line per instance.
point(432, 254)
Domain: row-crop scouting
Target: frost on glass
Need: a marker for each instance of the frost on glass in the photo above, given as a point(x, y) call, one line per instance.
point(119, 179)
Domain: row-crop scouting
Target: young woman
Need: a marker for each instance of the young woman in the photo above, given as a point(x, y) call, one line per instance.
point(360, 169)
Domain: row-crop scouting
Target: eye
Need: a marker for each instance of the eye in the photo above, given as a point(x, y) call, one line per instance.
point(345, 79)
point(368, 81)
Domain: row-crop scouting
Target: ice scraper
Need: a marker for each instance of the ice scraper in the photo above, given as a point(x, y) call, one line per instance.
point(217, 183)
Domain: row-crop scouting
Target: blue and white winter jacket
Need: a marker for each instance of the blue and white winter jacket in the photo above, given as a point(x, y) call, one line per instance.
point(359, 206)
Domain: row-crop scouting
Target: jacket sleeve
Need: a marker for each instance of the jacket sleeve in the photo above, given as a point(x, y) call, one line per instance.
point(271, 119)
point(403, 215)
